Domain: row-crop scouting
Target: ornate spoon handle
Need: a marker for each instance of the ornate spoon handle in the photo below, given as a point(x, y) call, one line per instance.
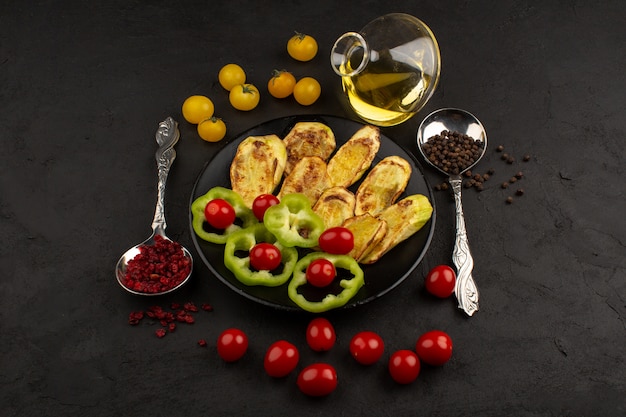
point(167, 136)
point(465, 290)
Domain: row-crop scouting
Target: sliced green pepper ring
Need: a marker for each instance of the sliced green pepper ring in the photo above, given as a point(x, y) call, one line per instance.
point(330, 301)
point(293, 221)
point(242, 241)
point(242, 212)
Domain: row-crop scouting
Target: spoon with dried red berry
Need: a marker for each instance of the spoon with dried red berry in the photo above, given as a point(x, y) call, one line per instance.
point(453, 141)
point(158, 265)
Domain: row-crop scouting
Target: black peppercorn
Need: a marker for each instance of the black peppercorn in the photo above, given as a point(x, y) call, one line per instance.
point(509, 200)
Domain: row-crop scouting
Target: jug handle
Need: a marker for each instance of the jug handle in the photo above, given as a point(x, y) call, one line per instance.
point(349, 46)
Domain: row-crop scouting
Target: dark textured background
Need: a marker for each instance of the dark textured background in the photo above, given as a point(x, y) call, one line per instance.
point(82, 88)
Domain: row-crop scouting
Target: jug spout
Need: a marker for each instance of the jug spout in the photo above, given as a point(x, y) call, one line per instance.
point(350, 54)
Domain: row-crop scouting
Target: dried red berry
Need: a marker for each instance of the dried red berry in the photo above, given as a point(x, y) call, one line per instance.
point(158, 267)
point(160, 333)
point(190, 306)
point(207, 307)
point(202, 342)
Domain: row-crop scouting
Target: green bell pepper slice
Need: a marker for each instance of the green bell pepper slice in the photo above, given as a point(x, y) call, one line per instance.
point(330, 301)
point(242, 212)
point(293, 222)
point(242, 241)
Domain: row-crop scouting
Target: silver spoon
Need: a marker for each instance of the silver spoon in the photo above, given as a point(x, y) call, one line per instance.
point(452, 119)
point(167, 136)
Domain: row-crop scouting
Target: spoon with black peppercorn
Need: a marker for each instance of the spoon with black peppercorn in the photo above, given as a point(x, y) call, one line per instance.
point(453, 141)
point(158, 265)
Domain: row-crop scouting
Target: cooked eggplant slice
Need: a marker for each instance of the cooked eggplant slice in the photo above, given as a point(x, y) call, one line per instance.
point(335, 205)
point(354, 157)
point(404, 218)
point(308, 139)
point(308, 177)
point(383, 185)
point(258, 166)
point(368, 232)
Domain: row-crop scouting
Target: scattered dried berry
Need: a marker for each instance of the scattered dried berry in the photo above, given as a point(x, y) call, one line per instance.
point(135, 317)
point(160, 333)
point(202, 342)
point(207, 307)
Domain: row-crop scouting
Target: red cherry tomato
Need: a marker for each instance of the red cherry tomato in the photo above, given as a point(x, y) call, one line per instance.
point(404, 366)
point(232, 344)
point(440, 281)
point(262, 203)
point(265, 257)
point(219, 213)
point(321, 272)
point(317, 380)
point(434, 347)
point(280, 359)
point(367, 347)
point(338, 240)
point(320, 335)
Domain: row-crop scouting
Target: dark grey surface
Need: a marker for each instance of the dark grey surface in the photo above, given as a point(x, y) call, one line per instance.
point(82, 89)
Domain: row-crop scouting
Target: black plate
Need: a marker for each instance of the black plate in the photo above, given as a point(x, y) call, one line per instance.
point(380, 278)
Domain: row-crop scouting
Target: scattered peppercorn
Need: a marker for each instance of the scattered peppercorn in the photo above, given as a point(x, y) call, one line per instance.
point(526, 158)
point(509, 200)
point(505, 185)
point(520, 191)
point(491, 171)
point(519, 175)
point(512, 180)
point(500, 148)
point(504, 156)
point(510, 160)
point(486, 177)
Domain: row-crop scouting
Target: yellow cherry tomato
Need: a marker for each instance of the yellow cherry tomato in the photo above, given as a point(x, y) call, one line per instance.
point(302, 47)
point(281, 84)
point(244, 97)
point(307, 91)
point(231, 75)
point(197, 108)
point(212, 129)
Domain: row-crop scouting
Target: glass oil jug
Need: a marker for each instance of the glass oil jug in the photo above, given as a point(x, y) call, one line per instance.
point(389, 69)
